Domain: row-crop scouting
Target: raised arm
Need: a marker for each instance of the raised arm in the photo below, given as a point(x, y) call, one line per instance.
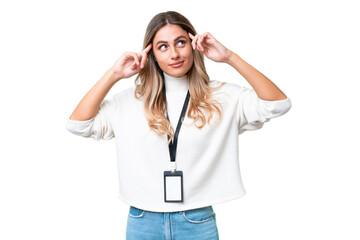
point(126, 66)
point(214, 50)
point(89, 105)
point(264, 87)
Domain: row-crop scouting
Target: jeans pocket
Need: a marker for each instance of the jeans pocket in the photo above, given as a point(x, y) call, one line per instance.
point(136, 212)
point(199, 215)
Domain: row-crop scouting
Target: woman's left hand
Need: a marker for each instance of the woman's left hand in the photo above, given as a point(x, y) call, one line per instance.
point(212, 49)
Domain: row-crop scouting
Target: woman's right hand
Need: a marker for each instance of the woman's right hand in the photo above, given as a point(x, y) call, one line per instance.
point(130, 63)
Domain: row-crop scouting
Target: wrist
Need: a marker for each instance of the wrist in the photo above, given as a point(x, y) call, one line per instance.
point(113, 76)
point(229, 57)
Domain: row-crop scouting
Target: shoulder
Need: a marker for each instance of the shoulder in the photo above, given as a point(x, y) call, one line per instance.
point(232, 89)
point(119, 98)
point(124, 94)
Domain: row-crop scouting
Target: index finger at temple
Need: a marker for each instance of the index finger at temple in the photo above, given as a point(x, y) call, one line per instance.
point(191, 36)
point(147, 49)
point(144, 56)
point(143, 60)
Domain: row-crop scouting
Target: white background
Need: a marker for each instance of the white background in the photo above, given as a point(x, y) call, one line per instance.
point(301, 170)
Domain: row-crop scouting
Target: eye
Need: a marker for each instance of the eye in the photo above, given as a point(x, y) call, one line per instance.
point(181, 43)
point(162, 47)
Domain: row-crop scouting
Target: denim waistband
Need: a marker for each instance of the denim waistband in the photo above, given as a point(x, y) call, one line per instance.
point(139, 210)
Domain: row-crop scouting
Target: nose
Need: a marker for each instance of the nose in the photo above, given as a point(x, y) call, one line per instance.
point(174, 53)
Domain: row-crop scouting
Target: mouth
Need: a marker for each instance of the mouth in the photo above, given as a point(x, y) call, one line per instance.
point(177, 64)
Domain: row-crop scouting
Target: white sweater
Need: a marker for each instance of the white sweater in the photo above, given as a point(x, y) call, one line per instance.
point(208, 157)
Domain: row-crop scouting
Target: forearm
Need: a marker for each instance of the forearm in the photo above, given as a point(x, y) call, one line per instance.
point(264, 87)
point(89, 105)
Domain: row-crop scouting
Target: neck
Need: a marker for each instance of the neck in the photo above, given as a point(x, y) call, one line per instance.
point(175, 84)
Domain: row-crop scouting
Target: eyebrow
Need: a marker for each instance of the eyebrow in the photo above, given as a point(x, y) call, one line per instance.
point(161, 41)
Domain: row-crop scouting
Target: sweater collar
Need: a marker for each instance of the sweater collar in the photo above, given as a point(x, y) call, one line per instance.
point(175, 84)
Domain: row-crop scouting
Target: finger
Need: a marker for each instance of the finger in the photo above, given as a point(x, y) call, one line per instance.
point(127, 56)
point(143, 60)
point(200, 42)
point(136, 62)
point(208, 35)
point(194, 42)
point(191, 36)
point(132, 56)
point(136, 59)
point(133, 66)
point(147, 49)
point(204, 38)
point(144, 55)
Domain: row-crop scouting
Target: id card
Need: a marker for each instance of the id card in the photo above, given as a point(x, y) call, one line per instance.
point(173, 186)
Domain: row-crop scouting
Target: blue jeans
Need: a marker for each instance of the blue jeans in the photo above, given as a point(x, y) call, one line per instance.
point(196, 224)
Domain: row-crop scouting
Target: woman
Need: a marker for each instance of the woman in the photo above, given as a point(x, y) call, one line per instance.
point(171, 178)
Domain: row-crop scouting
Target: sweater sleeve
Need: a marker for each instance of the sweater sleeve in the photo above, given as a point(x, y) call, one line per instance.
point(100, 126)
point(253, 112)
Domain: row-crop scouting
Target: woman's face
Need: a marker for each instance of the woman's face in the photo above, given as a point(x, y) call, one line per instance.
point(173, 51)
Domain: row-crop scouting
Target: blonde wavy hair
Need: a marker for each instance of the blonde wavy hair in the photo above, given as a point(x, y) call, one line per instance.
point(150, 82)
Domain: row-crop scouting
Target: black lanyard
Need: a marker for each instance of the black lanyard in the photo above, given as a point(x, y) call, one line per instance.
point(173, 143)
